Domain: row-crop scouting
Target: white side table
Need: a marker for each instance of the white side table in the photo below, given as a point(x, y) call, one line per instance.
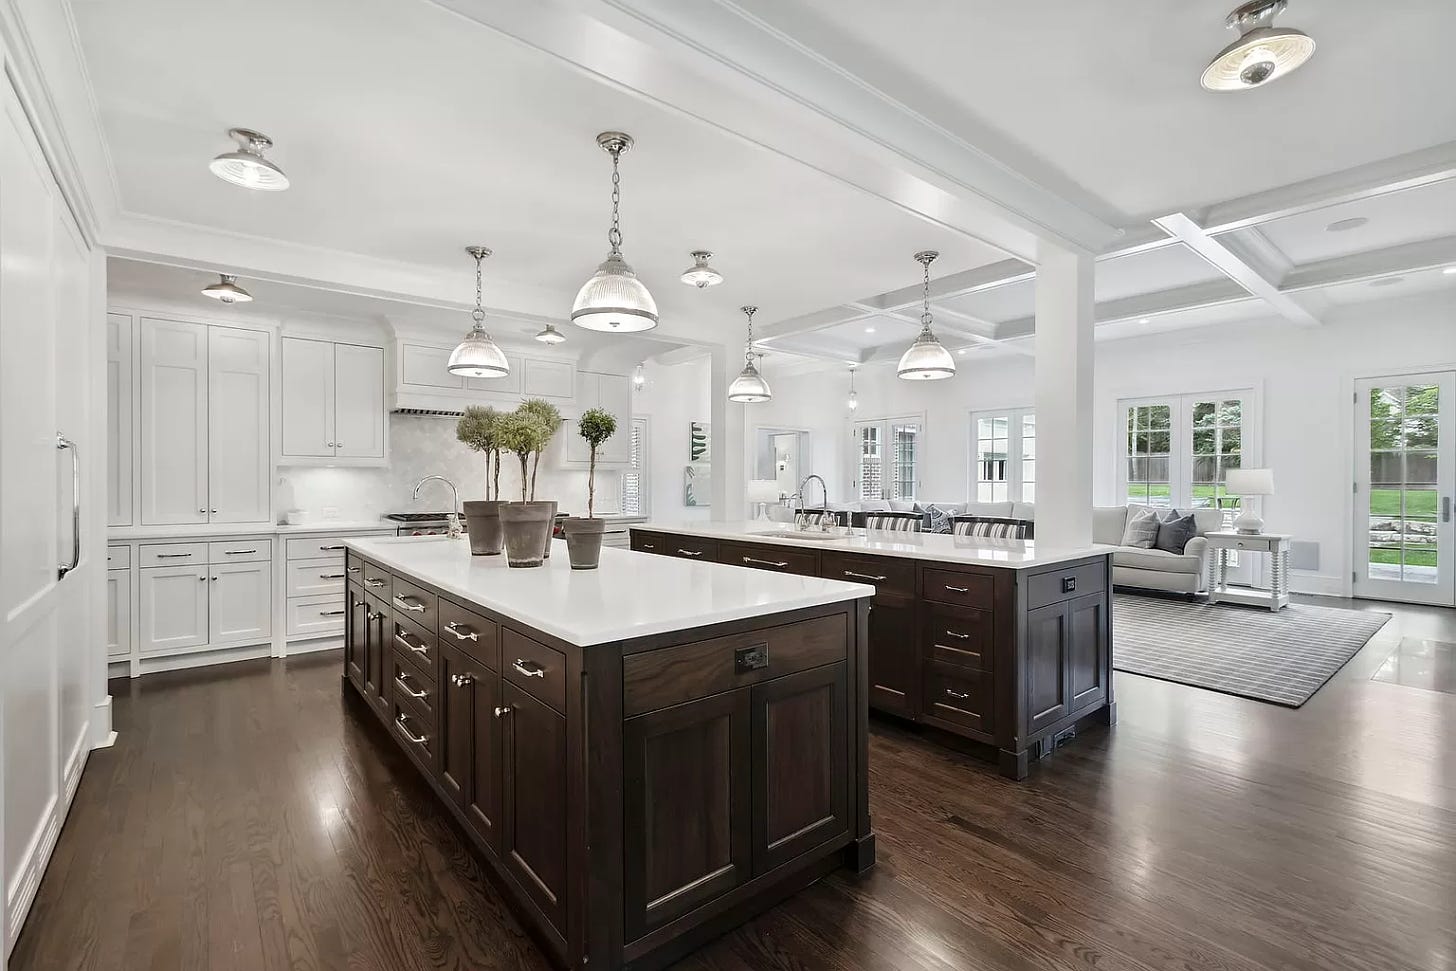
point(1275, 544)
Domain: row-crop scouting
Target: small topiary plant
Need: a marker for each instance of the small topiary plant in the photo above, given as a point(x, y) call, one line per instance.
point(596, 426)
point(479, 428)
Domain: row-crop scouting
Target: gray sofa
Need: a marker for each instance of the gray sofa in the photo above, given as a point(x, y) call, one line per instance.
point(1133, 566)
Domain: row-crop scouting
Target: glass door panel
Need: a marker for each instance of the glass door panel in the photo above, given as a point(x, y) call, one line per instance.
point(886, 456)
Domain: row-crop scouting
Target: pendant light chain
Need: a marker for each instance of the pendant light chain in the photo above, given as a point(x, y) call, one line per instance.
point(614, 235)
point(478, 314)
point(748, 351)
point(925, 313)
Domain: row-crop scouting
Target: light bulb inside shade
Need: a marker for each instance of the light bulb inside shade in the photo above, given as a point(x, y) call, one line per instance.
point(853, 401)
point(749, 387)
point(227, 290)
point(1258, 57)
point(614, 300)
point(249, 171)
point(926, 360)
point(478, 356)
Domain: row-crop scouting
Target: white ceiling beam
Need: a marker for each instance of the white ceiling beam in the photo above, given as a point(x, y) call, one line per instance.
point(808, 323)
point(1407, 258)
point(1237, 269)
point(1211, 294)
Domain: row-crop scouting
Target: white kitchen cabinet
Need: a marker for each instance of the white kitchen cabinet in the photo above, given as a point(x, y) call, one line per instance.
point(358, 401)
point(118, 419)
point(315, 578)
point(240, 603)
point(332, 401)
point(240, 457)
point(173, 605)
point(613, 394)
point(118, 613)
point(547, 379)
point(174, 422)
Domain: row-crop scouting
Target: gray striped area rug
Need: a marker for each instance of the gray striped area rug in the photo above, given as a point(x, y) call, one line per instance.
point(1282, 658)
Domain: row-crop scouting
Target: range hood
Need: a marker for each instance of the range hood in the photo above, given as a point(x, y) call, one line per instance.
point(405, 409)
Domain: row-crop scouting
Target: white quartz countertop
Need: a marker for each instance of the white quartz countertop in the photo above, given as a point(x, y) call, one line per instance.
point(628, 595)
point(121, 534)
point(941, 547)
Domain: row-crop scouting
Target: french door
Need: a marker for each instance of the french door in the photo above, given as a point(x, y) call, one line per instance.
point(886, 459)
point(1405, 464)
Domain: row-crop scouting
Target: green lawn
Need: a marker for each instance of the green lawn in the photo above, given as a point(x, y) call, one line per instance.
point(1419, 504)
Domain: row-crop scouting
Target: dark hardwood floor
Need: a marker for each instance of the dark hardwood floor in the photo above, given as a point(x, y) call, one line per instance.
point(248, 818)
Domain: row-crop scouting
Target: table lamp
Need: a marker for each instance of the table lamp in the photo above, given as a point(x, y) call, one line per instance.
point(1249, 482)
point(761, 494)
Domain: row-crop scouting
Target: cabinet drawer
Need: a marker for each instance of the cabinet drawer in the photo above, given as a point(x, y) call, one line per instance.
point(310, 548)
point(891, 577)
point(415, 603)
point(646, 542)
point(240, 551)
point(1072, 581)
point(406, 680)
point(780, 559)
point(538, 670)
point(173, 554)
point(315, 615)
point(965, 589)
point(119, 557)
point(415, 644)
point(961, 636)
point(415, 729)
point(471, 633)
point(672, 675)
point(958, 697)
point(690, 547)
point(312, 578)
point(377, 580)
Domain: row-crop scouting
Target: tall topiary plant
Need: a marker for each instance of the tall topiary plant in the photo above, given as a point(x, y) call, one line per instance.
point(516, 433)
point(479, 428)
point(596, 426)
point(543, 419)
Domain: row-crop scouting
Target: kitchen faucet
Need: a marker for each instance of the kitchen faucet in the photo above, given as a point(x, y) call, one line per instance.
point(801, 521)
point(453, 519)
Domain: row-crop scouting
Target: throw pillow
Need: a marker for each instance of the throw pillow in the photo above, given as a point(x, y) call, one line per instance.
point(939, 519)
point(1142, 529)
point(1175, 532)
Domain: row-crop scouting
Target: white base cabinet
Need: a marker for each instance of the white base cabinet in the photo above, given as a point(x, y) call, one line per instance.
point(240, 603)
point(173, 607)
point(118, 613)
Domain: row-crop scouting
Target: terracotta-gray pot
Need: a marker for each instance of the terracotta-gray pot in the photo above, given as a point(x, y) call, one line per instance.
point(549, 529)
point(527, 529)
point(584, 541)
point(482, 522)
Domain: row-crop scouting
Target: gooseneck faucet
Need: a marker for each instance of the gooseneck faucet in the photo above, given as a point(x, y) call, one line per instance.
point(453, 519)
point(801, 520)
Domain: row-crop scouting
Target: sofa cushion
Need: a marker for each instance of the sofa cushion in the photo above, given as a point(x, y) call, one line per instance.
point(1108, 523)
point(987, 510)
point(1141, 529)
point(1174, 532)
point(1024, 511)
point(938, 517)
point(897, 505)
point(874, 505)
point(1158, 560)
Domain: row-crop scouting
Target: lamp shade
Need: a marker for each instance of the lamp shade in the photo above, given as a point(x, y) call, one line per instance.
point(1250, 482)
point(763, 490)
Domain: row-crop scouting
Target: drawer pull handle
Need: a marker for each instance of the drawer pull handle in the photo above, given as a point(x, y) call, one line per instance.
point(865, 576)
point(353, 569)
point(683, 552)
point(331, 576)
point(529, 669)
point(958, 695)
point(455, 629)
point(234, 552)
point(331, 549)
point(502, 710)
point(648, 546)
point(373, 582)
point(957, 589)
point(404, 727)
point(780, 564)
point(409, 603)
point(403, 684)
point(173, 556)
point(332, 613)
point(418, 649)
point(462, 680)
point(957, 635)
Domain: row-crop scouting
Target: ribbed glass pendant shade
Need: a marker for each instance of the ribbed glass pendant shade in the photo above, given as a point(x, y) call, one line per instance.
point(247, 167)
point(551, 335)
point(926, 360)
point(478, 356)
point(1263, 52)
point(227, 290)
point(749, 387)
point(614, 300)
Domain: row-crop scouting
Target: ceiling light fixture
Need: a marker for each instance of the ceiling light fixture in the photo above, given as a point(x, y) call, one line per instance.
point(1263, 52)
point(869, 330)
point(926, 359)
point(639, 378)
point(749, 387)
point(478, 356)
point(227, 290)
point(700, 274)
point(551, 335)
point(247, 167)
point(1449, 271)
point(853, 401)
point(1345, 225)
point(614, 300)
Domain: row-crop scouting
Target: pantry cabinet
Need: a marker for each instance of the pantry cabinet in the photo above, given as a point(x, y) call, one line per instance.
point(332, 402)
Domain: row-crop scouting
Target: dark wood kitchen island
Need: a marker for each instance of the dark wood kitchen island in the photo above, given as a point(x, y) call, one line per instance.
point(646, 754)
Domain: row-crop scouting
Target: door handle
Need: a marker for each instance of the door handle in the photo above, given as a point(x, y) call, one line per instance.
point(1445, 509)
point(62, 442)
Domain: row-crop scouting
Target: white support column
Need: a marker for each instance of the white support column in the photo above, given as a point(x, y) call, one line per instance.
point(1065, 318)
point(729, 490)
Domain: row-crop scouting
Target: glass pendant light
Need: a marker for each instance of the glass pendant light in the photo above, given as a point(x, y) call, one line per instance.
point(1262, 53)
point(247, 167)
point(639, 378)
point(853, 401)
point(614, 300)
point(551, 335)
point(700, 274)
point(927, 359)
point(227, 290)
point(749, 386)
point(478, 356)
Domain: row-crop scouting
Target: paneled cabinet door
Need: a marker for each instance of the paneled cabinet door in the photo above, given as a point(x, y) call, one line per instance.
point(614, 395)
point(118, 613)
point(358, 401)
point(118, 420)
point(307, 369)
point(1066, 655)
point(533, 817)
point(240, 608)
point(470, 766)
point(801, 782)
point(240, 454)
point(687, 824)
point(173, 607)
point(174, 422)
point(376, 650)
point(894, 658)
point(357, 627)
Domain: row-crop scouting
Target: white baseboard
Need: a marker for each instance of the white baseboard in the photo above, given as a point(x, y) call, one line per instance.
point(202, 659)
point(312, 646)
point(102, 735)
point(1315, 583)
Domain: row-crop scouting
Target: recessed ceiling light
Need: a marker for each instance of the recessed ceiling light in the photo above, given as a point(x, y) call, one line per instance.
point(869, 330)
point(1145, 320)
point(227, 290)
point(247, 167)
point(1449, 271)
point(1262, 53)
point(1388, 281)
point(1345, 225)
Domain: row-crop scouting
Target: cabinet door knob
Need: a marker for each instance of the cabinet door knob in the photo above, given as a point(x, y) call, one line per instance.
point(203, 511)
point(502, 710)
point(461, 680)
point(202, 579)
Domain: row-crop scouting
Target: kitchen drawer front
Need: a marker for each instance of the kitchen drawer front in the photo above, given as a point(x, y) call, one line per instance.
point(415, 603)
point(958, 697)
point(673, 675)
point(414, 727)
point(406, 680)
point(890, 577)
point(119, 557)
point(647, 542)
point(316, 615)
point(314, 548)
point(779, 559)
point(313, 578)
point(173, 554)
point(414, 643)
point(963, 589)
point(354, 567)
point(377, 580)
point(471, 633)
point(1075, 580)
point(691, 547)
point(962, 636)
point(240, 551)
point(536, 669)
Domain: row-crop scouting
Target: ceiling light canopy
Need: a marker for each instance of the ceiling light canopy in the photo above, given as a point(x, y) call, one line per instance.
point(749, 387)
point(551, 335)
point(700, 274)
point(1263, 52)
point(227, 290)
point(614, 300)
point(926, 359)
point(247, 167)
point(477, 356)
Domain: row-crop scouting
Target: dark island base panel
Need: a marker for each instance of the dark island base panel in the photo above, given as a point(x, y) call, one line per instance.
point(1006, 657)
point(633, 800)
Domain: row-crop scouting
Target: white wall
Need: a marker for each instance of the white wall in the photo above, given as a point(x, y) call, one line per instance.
point(674, 396)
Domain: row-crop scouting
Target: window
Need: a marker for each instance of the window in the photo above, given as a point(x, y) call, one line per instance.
point(1003, 446)
point(1179, 450)
point(887, 459)
point(634, 479)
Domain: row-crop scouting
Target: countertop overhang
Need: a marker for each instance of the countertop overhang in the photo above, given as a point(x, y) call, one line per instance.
point(629, 595)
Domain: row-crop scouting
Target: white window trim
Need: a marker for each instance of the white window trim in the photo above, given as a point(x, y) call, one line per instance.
point(1013, 479)
point(851, 465)
point(644, 471)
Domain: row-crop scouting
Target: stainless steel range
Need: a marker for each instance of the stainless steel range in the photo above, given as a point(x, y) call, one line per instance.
point(419, 523)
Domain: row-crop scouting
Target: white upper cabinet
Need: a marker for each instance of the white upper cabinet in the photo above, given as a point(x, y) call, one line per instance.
point(118, 419)
point(333, 402)
point(308, 398)
point(359, 401)
point(612, 393)
point(174, 422)
point(547, 379)
point(240, 457)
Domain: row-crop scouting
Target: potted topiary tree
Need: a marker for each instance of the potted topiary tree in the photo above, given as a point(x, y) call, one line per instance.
point(584, 536)
point(526, 524)
point(546, 419)
point(479, 429)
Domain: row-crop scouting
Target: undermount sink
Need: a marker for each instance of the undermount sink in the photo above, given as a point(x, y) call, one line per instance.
point(796, 534)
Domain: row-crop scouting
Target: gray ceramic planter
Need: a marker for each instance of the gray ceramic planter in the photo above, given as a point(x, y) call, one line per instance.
point(527, 528)
point(584, 542)
point(482, 522)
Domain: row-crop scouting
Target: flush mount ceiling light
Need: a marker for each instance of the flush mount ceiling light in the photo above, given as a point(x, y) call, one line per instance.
point(247, 167)
point(478, 356)
point(1345, 225)
point(700, 274)
point(227, 290)
point(1262, 53)
point(749, 387)
point(926, 359)
point(852, 402)
point(614, 300)
point(551, 335)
